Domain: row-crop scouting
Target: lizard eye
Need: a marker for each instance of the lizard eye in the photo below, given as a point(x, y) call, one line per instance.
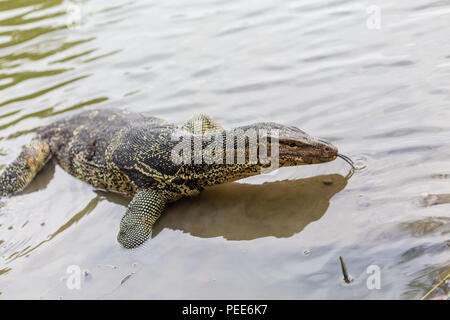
point(292, 144)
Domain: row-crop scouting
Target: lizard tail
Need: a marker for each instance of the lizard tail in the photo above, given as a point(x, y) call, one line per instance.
point(21, 171)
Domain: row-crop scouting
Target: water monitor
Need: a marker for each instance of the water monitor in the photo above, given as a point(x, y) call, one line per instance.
point(132, 154)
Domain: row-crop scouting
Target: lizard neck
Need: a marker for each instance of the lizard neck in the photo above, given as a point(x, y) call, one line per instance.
point(231, 155)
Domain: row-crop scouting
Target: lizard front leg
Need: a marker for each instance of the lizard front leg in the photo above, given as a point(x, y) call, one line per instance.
point(137, 223)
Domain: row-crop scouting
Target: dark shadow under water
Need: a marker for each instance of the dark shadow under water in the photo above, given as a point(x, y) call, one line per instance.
point(238, 211)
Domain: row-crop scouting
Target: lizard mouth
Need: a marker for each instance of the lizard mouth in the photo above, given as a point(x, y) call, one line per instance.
point(301, 154)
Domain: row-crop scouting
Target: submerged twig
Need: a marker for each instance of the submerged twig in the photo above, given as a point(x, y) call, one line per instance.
point(126, 278)
point(347, 278)
point(435, 287)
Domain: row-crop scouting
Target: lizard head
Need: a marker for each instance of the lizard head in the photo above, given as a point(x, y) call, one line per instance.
point(296, 147)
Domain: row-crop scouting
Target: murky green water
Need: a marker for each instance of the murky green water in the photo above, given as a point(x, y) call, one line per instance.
point(382, 96)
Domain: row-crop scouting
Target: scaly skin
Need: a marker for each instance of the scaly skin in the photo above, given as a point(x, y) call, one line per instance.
point(132, 154)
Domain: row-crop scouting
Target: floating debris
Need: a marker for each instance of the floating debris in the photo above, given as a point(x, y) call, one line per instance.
point(126, 278)
point(347, 278)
